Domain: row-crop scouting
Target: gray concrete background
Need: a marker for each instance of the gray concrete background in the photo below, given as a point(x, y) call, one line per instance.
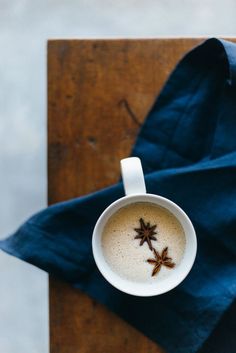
point(25, 25)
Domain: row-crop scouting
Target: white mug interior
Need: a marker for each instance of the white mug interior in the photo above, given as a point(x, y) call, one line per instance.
point(145, 288)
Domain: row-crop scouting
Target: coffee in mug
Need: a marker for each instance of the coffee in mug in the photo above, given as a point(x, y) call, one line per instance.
point(143, 242)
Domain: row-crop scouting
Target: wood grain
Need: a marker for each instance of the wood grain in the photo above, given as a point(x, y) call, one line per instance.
point(99, 92)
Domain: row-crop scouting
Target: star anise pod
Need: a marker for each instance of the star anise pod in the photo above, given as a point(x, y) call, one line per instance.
point(145, 233)
point(160, 260)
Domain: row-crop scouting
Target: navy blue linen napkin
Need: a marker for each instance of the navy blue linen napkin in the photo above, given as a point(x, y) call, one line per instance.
point(188, 149)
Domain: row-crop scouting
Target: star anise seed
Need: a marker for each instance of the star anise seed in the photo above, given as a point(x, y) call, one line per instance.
point(160, 260)
point(146, 233)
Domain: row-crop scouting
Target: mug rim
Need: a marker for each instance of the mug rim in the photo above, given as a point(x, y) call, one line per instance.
point(130, 199)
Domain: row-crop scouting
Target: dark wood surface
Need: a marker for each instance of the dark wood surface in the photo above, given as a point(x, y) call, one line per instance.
point(99, 92)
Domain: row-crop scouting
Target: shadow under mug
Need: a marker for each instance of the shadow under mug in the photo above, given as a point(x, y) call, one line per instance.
point(135, 190)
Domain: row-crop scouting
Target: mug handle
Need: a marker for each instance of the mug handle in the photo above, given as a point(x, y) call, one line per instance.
point(132, 175)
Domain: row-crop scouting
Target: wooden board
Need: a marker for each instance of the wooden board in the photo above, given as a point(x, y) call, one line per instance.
point(99, 92)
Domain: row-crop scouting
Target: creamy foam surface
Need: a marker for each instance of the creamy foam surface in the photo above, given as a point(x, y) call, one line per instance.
point(124, 254)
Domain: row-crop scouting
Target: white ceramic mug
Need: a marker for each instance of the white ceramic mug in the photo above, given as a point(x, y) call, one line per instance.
point(135, 191)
